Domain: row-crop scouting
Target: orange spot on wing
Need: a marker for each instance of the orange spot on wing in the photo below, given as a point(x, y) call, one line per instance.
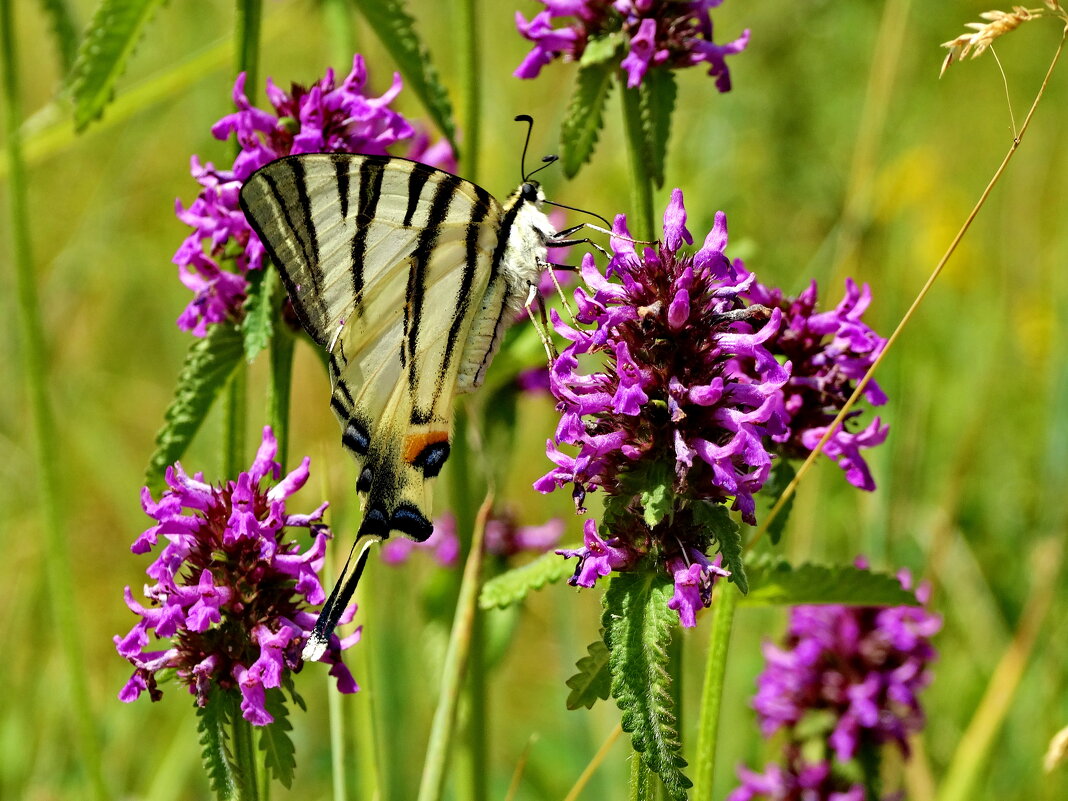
point(415, 443)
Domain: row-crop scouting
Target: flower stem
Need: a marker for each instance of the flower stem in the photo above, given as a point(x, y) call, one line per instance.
point(641, 779)
point(921, 295)
point(641, 180)
point(55, 547)
point(723, 607)
point(467, 34)
point(247, 42)
point(281, 374)
point(456, 656)
point(340, 23)
point(233, 422)
point(246, 773)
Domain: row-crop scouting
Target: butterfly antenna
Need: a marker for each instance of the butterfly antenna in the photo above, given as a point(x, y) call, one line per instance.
point(580, 211)
point(523, 159)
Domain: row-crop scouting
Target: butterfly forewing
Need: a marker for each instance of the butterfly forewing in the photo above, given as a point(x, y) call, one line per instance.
point(386, 262)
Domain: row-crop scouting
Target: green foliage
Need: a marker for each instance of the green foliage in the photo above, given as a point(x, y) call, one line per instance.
point(396, 28)
point(637, 630)
point(585, 115)
point(64, 29)
point(781, 475)
point(208, 365)
point(258, 325)
point(781, 584)
point(715, 518)
point(657, 498)
point(593, 681)
point(601, 49)
point(213, 721)
point(280, 756)
point(113, 35)
point(656, 97)
point(512, 587)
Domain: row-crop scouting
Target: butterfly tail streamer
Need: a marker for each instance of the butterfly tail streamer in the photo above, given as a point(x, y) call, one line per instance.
point(335, 605)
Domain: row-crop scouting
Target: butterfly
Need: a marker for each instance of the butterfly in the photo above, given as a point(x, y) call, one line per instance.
point(407, 277)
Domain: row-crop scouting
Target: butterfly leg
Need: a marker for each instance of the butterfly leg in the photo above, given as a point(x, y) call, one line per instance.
point(541, 322)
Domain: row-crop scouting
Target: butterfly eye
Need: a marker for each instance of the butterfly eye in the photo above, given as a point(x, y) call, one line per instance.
point(530, 191)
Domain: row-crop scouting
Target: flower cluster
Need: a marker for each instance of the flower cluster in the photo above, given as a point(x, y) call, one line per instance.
point(653, 33)
point(326, 117)
point(232, 593)
point(686, 401)
point(830, 352)
point(853, 676)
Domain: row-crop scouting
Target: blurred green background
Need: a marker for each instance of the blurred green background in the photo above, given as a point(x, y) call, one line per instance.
point(839, 152)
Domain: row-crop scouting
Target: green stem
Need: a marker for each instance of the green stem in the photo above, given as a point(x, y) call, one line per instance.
point(641, 227)
point(453, 671)
point(247, 43)
point(340, 24)
point(56, 557)
point(281, 375)
point(724, 604)
point(246, 771)
point(641, 780)
point(468, 47)
point(233, 422)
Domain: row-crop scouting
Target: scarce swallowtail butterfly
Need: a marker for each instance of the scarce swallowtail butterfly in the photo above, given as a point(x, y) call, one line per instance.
point(407, 276)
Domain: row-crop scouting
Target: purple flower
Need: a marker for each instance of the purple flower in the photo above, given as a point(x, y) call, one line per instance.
point(653, 34)
point(443, 543)
point(798, 781)
point(830, 352)
point(685, 399)
point(326, 117)
point(503, 537)
point(232, 592)
point(864, 665)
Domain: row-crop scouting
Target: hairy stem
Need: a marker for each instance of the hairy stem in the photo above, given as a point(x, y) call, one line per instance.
point(641, 182)
point(724, 605)
point(468, 47)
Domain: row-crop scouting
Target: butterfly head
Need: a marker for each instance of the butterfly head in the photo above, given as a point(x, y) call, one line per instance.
point(531, 192)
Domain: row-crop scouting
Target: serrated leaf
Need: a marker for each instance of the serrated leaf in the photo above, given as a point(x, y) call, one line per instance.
point(114, 33)
point(513, 586)
point(280, 756)
point(657, 502)
point(638, 626)
point(585, 116)
point(593, 682)
point(715, 518)
point(396, 29)
point(64, 29)
point(656, 99)
point(781, 475)
point(258, 325)
point(601, 48)
point(212, 721)
point(781, 584)
point(208, 366)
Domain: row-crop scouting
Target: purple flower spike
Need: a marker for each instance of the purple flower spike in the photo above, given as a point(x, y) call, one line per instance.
point(830, 352)
point(864, 668)
point(688, 394)
point(215, 258)
point(654, 34)
point(233, 589)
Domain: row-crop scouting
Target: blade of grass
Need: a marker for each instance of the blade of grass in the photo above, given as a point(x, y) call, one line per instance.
point(455, 667)
point(598, 758)
point(56, 557)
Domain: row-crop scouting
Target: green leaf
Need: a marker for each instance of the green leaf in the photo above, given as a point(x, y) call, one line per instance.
point(593, 681)
point(601, 48)
point(637, 630)
point(717, 520)
point(258, 325)
point(656, 98)
point(512, 587)
point(212, 723)
point(657, 502)
point(280, 756)
point(585, 116)
point(781, 475)
point(114, 32)
point(781, 584)
point(208, 365)
point(64, 29)
point(396, 28)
